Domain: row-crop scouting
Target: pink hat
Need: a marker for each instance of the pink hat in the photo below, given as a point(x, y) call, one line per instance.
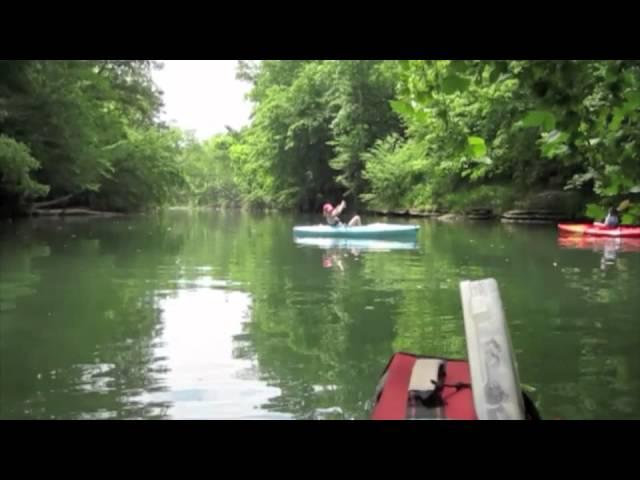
point(327, 207)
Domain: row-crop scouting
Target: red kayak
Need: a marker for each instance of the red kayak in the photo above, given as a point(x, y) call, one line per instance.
point(600, 230)
point(485, 386)
point(414, 387)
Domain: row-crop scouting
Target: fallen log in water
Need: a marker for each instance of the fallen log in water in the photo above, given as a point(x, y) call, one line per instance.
point(72, 212)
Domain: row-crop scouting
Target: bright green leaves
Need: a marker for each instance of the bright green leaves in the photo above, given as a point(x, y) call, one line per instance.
point(595, 211)
point(627, 218)
point(73, 117)
point(16, 165)
point(618, 116)
point(402, 108)
point(477, 149)
point(539, 118)
point(553, 143)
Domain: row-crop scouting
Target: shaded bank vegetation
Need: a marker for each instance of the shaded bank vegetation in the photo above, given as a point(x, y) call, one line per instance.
point(424, 135)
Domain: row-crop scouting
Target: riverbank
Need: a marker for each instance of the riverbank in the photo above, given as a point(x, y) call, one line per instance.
point(545, 207)
point(510, 216)
point(72, 212)
point(548, 207)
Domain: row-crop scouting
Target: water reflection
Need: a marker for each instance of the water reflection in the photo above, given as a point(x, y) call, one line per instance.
point(201, 378)
point(358, 244)
point(224, 316)
point(608, 247)
point(336, 250)
point(333, 258)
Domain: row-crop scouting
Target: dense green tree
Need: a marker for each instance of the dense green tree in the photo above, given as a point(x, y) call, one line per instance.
point(582, 116)
point(72, 127)
point(394, 134)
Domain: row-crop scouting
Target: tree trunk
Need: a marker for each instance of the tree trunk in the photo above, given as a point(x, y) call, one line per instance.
point(50, 203)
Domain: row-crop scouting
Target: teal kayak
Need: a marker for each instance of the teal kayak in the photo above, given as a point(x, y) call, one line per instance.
point(373, 230)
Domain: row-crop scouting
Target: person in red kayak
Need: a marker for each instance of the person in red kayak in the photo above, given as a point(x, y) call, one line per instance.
point(331, 215)
point(613, 219)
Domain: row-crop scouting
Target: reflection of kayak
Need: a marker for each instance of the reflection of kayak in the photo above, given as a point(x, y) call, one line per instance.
point(374, 230)
point(599, 230)
point(485, 387)
point(585, 242)
point(356, 243)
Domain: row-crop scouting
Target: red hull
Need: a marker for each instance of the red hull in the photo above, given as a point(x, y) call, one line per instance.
point(599, 230)
point(450, 397)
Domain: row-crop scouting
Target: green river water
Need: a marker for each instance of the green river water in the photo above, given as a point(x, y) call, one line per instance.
point(222, 315)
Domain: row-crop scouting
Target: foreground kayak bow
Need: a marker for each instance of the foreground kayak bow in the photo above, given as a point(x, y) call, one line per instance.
point(486, 386)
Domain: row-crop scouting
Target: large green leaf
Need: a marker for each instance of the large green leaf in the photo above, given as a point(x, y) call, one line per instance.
point(553, 143)
point(595, 211)
point(453, 83)
point(403, 108)
point(539, 118)
point(551, 150)
point(610, 191)
point(556, 136)
point(477, 147)
point(421, 116)
point(616, 121)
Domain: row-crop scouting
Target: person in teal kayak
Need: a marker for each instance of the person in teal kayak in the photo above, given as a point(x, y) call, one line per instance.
point(331, 215)
point(613, 218)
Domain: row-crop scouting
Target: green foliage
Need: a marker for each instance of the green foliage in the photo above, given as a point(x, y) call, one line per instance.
point(596, 211)
point(583, 113)
point(390, 133)
point(402, 108)
point(312, 122)
point(145, 171)
point(628, 218)
point(393, 168)
point(537, 118)
point(453, 83)
point(477, 147)
point(496, 197)
point(209, 172)
point(16, 165)
point(73, 117)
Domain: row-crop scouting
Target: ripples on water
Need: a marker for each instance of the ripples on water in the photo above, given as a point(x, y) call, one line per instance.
point(224, 316)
